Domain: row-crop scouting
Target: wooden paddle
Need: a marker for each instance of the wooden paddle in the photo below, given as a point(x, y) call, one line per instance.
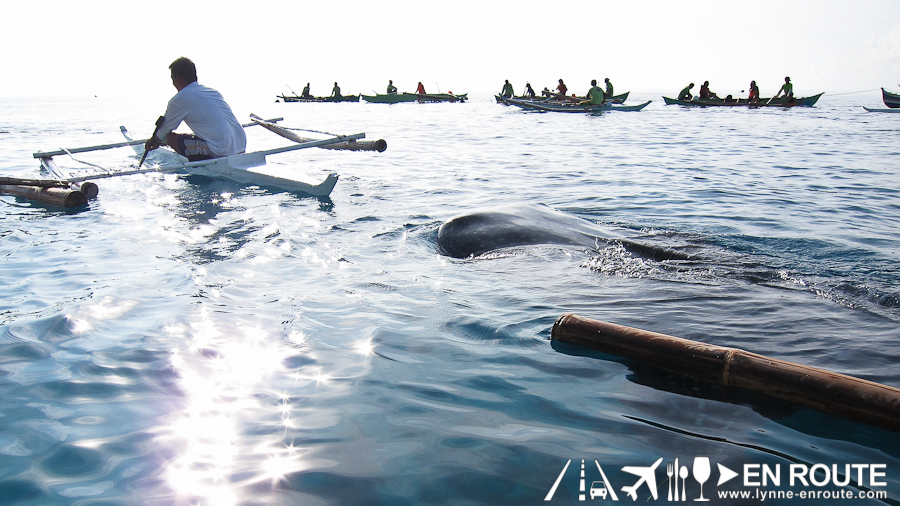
point(147, 146)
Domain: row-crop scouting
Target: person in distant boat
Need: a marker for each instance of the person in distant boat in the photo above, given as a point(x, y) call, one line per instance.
point(216, 132)
point(420, 89)
point(562, 89)
point(391, 89)
point(336, 91)
point(754, 93)
point(507, 90)
point(787, 88)
point(685, 94)
point(546, 92)
point(305, 93)
point(705, 94)
point(609, 89)
point(529, 91)
point(594, 95)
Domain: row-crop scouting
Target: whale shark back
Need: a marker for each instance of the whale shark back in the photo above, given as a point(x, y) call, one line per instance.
point(476, 233)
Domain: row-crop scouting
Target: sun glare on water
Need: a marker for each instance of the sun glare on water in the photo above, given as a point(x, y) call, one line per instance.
point(228, 375)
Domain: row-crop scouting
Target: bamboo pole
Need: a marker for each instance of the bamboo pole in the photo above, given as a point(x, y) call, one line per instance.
point(826, 391)
point(45, 183)
point(353, 145)
point(54, 196)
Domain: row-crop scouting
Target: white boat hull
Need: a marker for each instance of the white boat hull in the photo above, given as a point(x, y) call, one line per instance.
point(235, 168)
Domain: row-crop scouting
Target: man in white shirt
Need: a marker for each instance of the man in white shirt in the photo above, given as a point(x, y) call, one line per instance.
point(217, 132)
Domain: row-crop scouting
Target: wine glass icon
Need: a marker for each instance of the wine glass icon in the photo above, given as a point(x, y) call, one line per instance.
point(701, 473)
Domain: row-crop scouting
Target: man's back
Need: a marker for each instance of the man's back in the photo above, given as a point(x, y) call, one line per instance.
point(207, 115)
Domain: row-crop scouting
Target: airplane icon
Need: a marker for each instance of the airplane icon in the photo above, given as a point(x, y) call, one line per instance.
point(647, 474)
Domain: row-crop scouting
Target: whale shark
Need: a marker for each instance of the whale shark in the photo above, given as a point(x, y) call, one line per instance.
point(480, 232)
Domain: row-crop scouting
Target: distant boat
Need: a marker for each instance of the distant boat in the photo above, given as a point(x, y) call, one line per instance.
point(763, 102)
point(573, 107)
point(891, 100)
point(874, 109)
point(616, 99)
point(342, 98)
point(396, 98)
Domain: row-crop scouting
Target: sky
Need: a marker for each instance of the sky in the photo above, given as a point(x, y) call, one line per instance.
point(262, 48)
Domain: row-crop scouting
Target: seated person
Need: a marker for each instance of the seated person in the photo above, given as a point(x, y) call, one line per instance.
point(705, 94)
point(562, 89)
point(754, 93)
point(529, 91)
point(787, 88)
point(685, 94)
point(216, 132)
point(594, 96)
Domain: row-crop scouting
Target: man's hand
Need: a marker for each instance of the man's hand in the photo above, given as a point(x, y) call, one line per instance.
point(152, 143)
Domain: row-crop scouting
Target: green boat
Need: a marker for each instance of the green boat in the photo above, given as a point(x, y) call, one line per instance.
point(414, 97)
point(742, 102)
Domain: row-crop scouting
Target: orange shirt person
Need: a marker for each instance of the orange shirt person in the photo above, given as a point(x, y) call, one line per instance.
point(562, 88)
point(754, 93)
point(421, 89)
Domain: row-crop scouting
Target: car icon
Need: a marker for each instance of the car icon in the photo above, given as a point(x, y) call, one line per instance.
point(598, 488)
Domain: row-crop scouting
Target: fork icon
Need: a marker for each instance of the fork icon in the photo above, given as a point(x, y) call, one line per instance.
point(670, 470)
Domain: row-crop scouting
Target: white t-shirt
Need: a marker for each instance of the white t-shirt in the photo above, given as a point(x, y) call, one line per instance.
point(207, 115)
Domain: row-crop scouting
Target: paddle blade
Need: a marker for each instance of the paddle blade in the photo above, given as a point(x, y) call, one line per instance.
point(147, 148)
point(143, 157)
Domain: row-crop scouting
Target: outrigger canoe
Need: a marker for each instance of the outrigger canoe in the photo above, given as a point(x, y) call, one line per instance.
point(892, 100)
point(572, 107)
point(237, 168)
point(396, 98)
point(616, 99)
point(742, 102)
point(296, 98)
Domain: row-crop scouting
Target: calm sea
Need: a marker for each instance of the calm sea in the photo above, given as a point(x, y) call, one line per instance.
point(188, 341)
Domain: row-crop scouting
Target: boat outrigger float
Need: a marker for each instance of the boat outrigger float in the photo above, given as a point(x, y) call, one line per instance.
point(71, 190)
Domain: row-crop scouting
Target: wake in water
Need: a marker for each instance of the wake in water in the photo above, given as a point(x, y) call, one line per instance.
point(775, 263)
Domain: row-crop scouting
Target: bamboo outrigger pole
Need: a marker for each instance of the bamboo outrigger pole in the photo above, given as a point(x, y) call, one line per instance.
point(826, 391)
point(380, 145)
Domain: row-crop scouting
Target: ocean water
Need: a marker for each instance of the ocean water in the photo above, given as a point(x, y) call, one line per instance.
point(190, 341)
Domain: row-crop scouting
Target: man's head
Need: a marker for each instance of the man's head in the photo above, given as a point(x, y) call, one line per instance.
point(184, 72)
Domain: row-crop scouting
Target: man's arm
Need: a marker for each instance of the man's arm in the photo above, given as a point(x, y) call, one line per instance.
point(174, 116)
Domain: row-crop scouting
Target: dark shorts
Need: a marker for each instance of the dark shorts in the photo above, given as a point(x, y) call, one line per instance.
point(192, 147)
